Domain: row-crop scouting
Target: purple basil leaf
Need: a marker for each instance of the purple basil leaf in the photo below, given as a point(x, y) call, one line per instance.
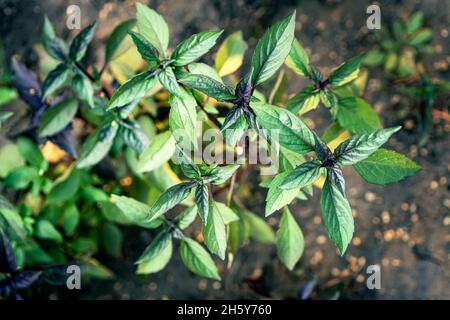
point(7, 256)
point(306, 289)
point(27, 84)
point(24, 279)
point(6, 287)
point(64, 141)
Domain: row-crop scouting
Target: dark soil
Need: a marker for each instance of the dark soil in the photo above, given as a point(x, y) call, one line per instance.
point(402, 227)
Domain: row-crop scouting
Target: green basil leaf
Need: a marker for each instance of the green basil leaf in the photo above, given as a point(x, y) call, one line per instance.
point(158, 262)
point(57, 117)
point(115, 40)
point(336, 211)
point(203, 69)
point(153, 27)
point(227, 214)
point(234, 131)
point(290, 240)
point(214, 231)
point(306, 100)
point(54, 46)
point(298, 59)
point(186, 218)
point(70, 219)
point(414, 22)
point(46, 231)
point(221, 174)
point(272, 49)
point(148, 52)
point(194, 47)
point(170, 198)
point(81, 42)
point(31, 153)
point(158, 244)
point(189, 168)
point(328, 98)
point(302, 176)
point(65, 188)
point(277, 198)
point(421, 37)
point(202, 201)
point(208, 86)
point(183, 117)
point(97, 145)
point(360, 146)
point(386, 166)
point(169, 81)
point(293, 134)
point(20, 178)
point(259, 229)
point(197, 259)
point(346, 72)
point(55, 80)
point(133, 136)
point(159, 152)
point(135, 211)
point(134, 89)
point(230, 54)
point(373, 58)
point(112, 240)
point(83, 89)
point(357, 116)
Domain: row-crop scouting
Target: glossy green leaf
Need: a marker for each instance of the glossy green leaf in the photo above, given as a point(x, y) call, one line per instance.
point(306, 100)
point(153, 27)
point(221, 174)
point(134, 210)
point(186, 218)
point(272, 49)
point(97, 145)
point(230, 54)
point(336, 211)
point(57, 117)
point(289, 240)
point(259, 229)
point(227, 214)
point(46, 231)
point(202, 201)
point(116, 39)
point(293, 134)
point(208, 86)
point(169, 81)
point(84, 89)
point(134, 89)
point(298, 59)
point(183, 117)
point(148, 52)
point(197, 259)
point(55, 80)
point(158, 262)
point(302, 176)
point(360, 146)
point(55, 47)
point(194, 47)
point(159, 152)
point(346, 72)
point(277, 198)
point(357, 116)
point(214, 231)
point(170, 198)
point(158, 245)
point(386, 166)
point(81, 42)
